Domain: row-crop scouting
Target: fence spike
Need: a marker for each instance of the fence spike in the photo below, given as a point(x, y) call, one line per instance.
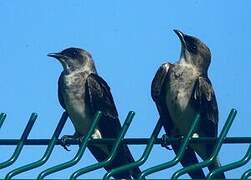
point(46, 154)
point(110, 158)
point(142, 159)
point(218, 145)
point(179, 155)
point(79, 154)
point(2, 118)
point(20, 144)
point(231, 166)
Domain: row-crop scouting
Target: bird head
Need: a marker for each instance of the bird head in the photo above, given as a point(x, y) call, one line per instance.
point(73, 59)
point(194, 52)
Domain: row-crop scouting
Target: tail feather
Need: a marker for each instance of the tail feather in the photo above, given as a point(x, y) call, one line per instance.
point(135, 171)
point(123, 157)
point(214, 165)
point(205, 151)
point(188, 159)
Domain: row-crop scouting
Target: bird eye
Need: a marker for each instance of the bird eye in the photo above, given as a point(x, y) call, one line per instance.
point(193, 49)
point(191, 44)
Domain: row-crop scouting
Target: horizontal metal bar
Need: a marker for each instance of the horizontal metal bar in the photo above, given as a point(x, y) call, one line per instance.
point(131, 141)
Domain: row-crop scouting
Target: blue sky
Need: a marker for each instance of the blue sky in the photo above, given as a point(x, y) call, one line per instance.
point(128, 41)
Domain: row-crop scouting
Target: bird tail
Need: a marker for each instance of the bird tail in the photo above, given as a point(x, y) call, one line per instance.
point(214, 165)
point(123, 157)
point(189, 156)
point(188, 159)
point(135, 171)
point(205, 151)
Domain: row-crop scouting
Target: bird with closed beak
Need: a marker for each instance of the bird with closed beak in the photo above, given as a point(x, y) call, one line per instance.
point(82, 92)
point(181, 91)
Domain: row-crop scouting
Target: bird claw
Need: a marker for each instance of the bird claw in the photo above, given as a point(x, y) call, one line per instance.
point(164, 142)
point(64, 140)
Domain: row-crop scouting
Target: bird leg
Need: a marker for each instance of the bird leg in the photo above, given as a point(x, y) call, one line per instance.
point(64, 141)
point(164, 142)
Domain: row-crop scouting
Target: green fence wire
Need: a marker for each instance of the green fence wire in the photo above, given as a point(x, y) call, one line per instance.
point(108, 160)
point(177, 158)
point(20, 144)
point(79, 154)
point(149, 142)
point(2, 118)
point(47, 153)
point(215, 152)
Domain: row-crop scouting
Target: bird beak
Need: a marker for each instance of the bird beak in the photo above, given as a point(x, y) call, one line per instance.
point(55, 55)
point(181, 37)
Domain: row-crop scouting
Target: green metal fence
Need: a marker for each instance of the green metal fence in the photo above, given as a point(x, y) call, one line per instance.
point(149, 142)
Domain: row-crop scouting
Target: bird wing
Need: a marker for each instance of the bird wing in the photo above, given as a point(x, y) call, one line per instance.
point(60, 96)
point(158, 95)
point(205, 101)
point(158, 92)
point(100, 99)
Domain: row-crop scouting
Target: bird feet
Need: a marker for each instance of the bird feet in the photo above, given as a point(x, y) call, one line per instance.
point(65, 140)
point(164, 142)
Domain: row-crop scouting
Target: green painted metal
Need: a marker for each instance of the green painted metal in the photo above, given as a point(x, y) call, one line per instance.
point(109, 159)
point(130, 141)
point(79, 154)
point(216, 149)
point(231, 166)
point(227, 140)
point(143, 158)
point(246, 175)
point(20, 144)
point(46, 154)
point(2, 118)
point(179, 155)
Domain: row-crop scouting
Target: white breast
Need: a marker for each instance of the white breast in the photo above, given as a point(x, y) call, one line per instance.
point(73, 94)
point(178, 97)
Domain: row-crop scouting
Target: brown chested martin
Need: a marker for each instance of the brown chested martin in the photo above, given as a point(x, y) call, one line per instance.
point(182, 90)
point(82, 92)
